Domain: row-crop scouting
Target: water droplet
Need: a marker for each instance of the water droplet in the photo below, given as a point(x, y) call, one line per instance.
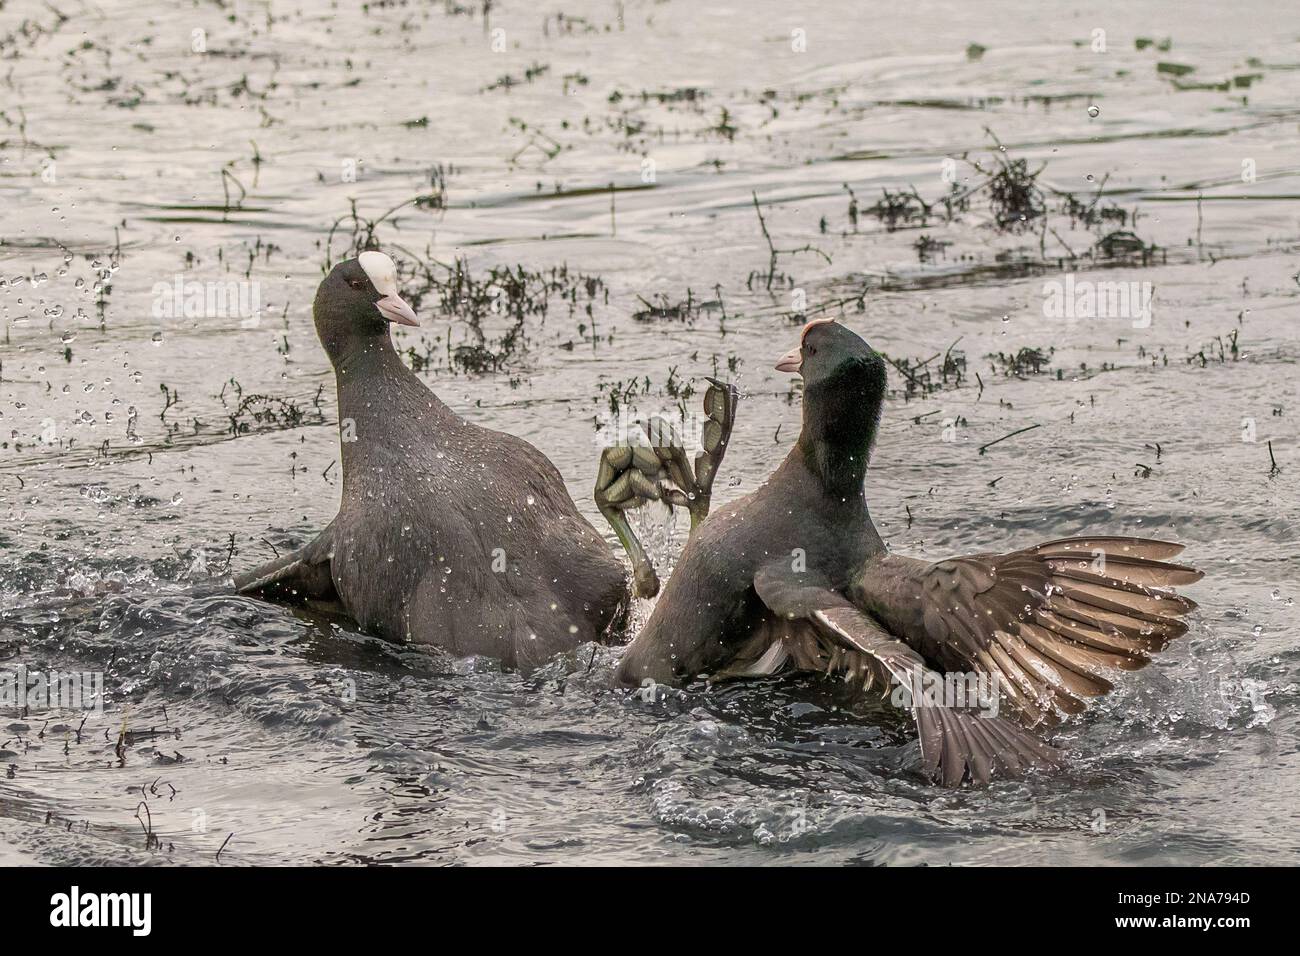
point(1094, 111)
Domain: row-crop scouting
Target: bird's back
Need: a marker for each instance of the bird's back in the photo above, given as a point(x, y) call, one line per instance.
point(434, 503)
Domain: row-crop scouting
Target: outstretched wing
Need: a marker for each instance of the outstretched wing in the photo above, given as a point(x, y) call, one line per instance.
point(956, 741)
point(301, 576)
point(1049, 622)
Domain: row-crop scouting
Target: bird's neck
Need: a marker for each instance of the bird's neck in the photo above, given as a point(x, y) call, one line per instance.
point(384, 407)
point(362, 356)
point(839, 428)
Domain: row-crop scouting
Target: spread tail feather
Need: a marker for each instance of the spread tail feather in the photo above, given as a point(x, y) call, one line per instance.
point(958, 744)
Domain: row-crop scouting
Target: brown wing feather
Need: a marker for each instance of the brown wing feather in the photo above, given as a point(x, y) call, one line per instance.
point(1050, 622)
point(814, 627)
point(957, 743)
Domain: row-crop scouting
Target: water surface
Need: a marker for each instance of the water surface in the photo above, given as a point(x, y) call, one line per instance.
point(136, 471)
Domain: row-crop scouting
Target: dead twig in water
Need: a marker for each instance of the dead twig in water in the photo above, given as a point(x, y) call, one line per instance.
point(1019, 431)
point(772, 251)
point(228, 177)
point(150, 840)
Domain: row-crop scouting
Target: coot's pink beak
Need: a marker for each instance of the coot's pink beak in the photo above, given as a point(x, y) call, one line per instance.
point(792, 360)
point(395, 310)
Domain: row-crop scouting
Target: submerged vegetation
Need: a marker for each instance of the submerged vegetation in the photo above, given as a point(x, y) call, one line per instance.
point(1005, 193)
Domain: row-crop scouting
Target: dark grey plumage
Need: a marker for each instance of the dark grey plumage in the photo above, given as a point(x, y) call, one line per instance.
point(795, 574)
point(448, 533)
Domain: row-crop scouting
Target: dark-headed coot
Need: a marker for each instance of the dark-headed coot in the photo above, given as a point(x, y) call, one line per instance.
point(985, 650)
point(447, 533)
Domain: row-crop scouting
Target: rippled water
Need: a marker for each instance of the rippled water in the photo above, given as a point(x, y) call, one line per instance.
point(123, 476)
